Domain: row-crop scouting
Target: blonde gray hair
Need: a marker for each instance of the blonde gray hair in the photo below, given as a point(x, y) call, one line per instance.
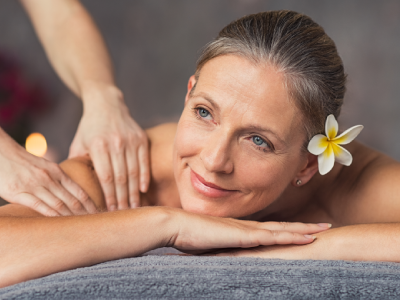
point(298, 47)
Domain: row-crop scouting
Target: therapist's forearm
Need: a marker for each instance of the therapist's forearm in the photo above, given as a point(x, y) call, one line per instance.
point(72, 43)
point(38, 246)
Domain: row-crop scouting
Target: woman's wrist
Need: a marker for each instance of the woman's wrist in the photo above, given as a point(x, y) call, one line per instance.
point(156, 225)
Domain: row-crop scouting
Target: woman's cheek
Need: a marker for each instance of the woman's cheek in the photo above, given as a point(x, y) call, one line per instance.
point(261, 175)
point(187, 139)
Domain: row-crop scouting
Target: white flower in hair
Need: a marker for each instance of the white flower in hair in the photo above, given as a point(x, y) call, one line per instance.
point(328, 147)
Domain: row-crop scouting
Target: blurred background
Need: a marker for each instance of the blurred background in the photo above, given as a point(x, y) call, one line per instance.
point(154, 45)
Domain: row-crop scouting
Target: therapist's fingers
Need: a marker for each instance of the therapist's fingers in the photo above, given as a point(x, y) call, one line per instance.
point(120, 175)
point(36, 204)
point(52, 201)
point(133, 179)
point(104, 170)
point(74, 196)
point(144, 165)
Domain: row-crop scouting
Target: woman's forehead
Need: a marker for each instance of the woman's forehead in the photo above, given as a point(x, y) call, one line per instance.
point(254, 95)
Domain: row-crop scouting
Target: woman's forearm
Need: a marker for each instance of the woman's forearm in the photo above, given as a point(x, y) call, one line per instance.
point(39, 246)
point(365, 242)
point(72, 42)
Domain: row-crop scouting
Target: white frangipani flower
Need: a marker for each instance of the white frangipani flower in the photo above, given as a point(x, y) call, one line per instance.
point(328, 147)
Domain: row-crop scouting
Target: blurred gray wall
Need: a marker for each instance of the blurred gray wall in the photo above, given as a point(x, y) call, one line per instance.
point(154, 45)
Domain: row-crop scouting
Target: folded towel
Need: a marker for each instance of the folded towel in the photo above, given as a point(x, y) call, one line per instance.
point(177, 277)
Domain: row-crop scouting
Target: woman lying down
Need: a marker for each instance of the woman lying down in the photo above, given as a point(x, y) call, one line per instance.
point(248, 170)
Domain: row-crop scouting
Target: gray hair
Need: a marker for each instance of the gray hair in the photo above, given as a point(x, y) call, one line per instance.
point(297, 46)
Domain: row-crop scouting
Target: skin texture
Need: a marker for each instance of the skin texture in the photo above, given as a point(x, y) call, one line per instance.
point(220, 147)
point(33, 246)
point(218, 144)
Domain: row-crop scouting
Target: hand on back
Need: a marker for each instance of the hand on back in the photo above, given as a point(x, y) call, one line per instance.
point(117, 146)
point(39, 184)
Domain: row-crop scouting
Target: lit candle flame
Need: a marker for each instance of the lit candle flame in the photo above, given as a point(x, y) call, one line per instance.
point(36, 144)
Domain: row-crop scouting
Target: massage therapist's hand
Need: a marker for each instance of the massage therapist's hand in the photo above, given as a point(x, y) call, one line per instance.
point(37, 183)
point(116, 144)
point(196, 232)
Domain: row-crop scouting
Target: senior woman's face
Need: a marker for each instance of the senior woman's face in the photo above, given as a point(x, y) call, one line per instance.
point(238, 142)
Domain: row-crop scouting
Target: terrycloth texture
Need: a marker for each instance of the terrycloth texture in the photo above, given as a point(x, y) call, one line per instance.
point(177, 277)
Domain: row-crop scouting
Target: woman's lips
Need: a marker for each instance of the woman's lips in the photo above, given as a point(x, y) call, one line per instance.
point(208, 189)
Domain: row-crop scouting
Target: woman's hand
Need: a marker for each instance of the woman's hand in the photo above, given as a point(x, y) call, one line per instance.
point(116, 144)
point(196, 232)
point(322, 248)
point(38, 184)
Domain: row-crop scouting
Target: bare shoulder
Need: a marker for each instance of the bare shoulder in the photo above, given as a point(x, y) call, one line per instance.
point(163, 133)
point(369, 190)
point(162, 190)
point(81, 170)
point(161, 140)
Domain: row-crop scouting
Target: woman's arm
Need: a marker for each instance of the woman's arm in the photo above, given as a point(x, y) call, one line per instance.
point(367, 242)
point(366, 206)
point(32, 246)
point(107, 131)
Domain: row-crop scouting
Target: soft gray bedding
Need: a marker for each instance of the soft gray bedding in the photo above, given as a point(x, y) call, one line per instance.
point(177, 277)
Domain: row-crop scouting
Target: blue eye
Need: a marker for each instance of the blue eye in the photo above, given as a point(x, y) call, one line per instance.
point(259, 141)
point(203, 112)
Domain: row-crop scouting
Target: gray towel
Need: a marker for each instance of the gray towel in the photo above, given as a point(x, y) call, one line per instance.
point(178, 277)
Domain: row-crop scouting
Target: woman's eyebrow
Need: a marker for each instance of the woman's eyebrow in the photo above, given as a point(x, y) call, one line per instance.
point(208, 98)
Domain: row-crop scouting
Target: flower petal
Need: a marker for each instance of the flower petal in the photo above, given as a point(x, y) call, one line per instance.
point(318, 144)
point(349, 135)
point(342, 156)
point(326, 160)
point(331, 127)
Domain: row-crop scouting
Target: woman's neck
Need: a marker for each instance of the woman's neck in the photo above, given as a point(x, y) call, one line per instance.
point(162, 190)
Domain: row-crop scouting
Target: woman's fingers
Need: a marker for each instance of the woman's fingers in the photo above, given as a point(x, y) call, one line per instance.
point(274, 237)
point(303, 228)
point(200, 232)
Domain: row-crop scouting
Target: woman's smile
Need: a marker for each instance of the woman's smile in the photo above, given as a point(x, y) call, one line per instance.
point(237, 143)
point(209, 189)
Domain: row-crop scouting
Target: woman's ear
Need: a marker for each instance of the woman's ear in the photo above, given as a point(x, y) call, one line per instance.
point(191, 84)
point(307, 172)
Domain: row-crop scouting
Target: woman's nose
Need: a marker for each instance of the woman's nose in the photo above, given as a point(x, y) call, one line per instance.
point(216, 154)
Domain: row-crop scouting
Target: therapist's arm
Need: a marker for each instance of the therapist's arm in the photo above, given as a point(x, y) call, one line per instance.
point(115, 142)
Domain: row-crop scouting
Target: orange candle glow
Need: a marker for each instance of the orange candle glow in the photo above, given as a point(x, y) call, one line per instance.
point(36, 144)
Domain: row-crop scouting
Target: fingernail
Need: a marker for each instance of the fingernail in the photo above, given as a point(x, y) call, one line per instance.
point(325, 225)
point(112, 207)
point(310, 236)
point(134, 205)
point(143, 188)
